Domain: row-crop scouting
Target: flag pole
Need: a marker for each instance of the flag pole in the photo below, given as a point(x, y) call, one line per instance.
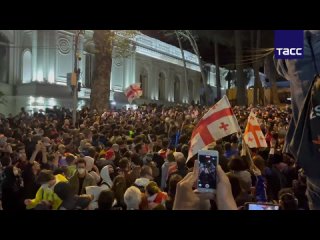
point(247, 149)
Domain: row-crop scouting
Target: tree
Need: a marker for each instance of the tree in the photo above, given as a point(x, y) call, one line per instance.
point(241, 86)
point(218, 82)
point(256, 66)
point(270, 71)
point(184, 64)
point(2, 99)
point(107, 45)
point(190, 36)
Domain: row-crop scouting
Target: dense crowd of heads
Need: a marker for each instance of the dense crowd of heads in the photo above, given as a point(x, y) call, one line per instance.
point(136, 159)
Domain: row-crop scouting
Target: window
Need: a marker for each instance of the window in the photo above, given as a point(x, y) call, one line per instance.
point(26, 67)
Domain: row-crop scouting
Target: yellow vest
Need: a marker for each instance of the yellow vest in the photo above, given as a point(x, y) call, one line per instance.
point(48, 195)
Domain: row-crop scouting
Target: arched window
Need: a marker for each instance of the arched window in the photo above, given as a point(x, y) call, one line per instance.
point(26, 67)
point(176, 89)
point(162, 85)
point(144, 82)
point(4, 59)
point(190, 89)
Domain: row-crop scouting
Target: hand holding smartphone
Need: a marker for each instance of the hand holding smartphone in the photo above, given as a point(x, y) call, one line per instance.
point(261, 206)
point(208, 162)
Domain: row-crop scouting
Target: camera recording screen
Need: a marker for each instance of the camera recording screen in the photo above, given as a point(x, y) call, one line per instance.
point(207, 172)
point(263, 207)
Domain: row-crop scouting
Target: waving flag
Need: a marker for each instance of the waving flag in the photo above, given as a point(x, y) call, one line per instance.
point(253, 135)
point(134, 91)
point(217, 123)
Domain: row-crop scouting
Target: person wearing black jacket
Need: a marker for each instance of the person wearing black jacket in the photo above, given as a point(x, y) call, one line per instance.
point(11, 190)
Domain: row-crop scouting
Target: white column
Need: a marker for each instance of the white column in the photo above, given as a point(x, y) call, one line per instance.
point(34, 54)
point(40, 56)
point(51, 56)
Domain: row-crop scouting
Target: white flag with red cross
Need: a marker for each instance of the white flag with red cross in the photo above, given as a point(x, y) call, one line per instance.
point(253, 135)
point(134, 91)
point(217, 123)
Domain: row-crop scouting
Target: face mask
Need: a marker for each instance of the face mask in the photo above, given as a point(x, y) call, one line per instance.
point(45, 186)
point(81, 170)
point(15, 172)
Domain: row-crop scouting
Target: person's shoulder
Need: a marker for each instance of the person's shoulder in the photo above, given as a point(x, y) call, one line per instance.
point(90, 177)
point(61, 178)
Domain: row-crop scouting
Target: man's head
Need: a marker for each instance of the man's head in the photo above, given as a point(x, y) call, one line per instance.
point(124, 164)
point(132, 198)
point(63, 190)
point(105, 200)
point(81, 166)
point(46, 179)
point(62, 148)
point(146, 172)
point(140, 149)
point(5, 161)
point(115, 147)
point(180, 159)
point(152, 188)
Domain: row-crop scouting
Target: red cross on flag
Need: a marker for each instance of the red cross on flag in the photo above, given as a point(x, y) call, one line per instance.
point(253, 135)
point(217, 123)
point(134, 91)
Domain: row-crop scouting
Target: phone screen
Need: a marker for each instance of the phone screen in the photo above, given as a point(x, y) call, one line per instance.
point(253, 206)
point(207, 172)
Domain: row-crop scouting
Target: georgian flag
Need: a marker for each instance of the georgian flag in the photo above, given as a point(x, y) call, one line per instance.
point(217, 123)
point(134, 91)
point(253, 135)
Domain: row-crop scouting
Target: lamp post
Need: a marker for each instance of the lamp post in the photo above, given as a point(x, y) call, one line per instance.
point(75, 78)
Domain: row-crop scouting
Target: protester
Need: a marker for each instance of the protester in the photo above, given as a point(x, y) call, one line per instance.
point(145, 149)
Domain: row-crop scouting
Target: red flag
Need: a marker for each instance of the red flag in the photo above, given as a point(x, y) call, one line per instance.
point(253, 135)
point(134, 91)
point(217, 123)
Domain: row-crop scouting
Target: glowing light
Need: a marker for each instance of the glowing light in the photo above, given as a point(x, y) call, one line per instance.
point(31, 100)
point(40, 100)
point(51, 76)
point(52, 102)
point(40, 76)
point(113, 103)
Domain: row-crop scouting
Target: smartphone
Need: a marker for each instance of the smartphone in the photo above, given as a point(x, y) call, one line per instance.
point(261, 206)
point(208, 161)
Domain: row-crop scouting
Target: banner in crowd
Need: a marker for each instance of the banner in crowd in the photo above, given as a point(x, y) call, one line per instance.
point(217, 123)
point(253, 135)
point(134, 91)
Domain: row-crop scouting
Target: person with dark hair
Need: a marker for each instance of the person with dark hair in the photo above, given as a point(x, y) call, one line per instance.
point(276, 178)
point(181, 168)
point(170, 161)
point(47, 181)
point(5, 161)
point(163, 151)
point(81, 179)
point(140, 149)
point(287, 200)
point(229, 151)
point(299, 188)
point(69, 200)
point(136, 160)
point(119, 188)
point(173, 181)
point(155, 195)
point(105, 200)
point(11, 189)
point(238, 168)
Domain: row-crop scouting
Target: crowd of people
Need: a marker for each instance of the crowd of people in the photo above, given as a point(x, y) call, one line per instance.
point(137, 160)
